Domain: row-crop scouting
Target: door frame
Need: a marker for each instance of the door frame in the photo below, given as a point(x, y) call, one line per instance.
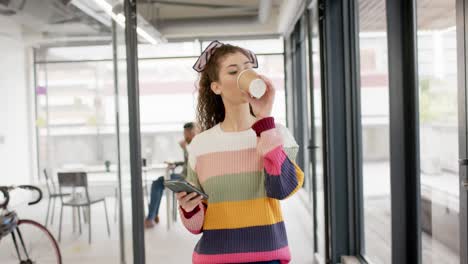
point(462, 45)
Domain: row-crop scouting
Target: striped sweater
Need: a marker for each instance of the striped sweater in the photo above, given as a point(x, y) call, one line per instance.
point(245, 175)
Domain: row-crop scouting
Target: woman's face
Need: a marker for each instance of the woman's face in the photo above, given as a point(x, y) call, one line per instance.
point(226, 86)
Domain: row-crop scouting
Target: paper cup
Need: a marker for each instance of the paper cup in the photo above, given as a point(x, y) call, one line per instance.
point(249, 81)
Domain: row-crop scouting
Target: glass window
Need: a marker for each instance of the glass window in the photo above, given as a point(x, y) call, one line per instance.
point(57, 83)
point(76, 53)
point(81, 111)
point(437, 65)
point(375, 130)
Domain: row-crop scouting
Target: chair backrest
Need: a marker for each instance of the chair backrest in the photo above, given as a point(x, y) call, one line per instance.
point(48, 183)
point(51, 187)
point(73, 180)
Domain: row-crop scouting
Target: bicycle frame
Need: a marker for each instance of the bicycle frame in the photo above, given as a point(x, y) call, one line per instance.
point(22, 244)
point(14, 229)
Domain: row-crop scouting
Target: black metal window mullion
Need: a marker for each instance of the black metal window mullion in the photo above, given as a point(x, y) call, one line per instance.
point(300, 75)
point(462, 44)
point(134, 131)
point(312, 144)
point(341, 125)
point(324, 121)
point(286, 54)
point(354, 131)
point(404, 131)
point(295, 82)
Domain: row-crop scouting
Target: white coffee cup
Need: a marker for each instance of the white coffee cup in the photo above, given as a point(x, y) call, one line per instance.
point(249, 81)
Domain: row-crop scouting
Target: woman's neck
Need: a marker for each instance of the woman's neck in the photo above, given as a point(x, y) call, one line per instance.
point(237, 118)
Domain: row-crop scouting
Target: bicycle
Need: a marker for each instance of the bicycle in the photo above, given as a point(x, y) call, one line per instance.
point(37, 243)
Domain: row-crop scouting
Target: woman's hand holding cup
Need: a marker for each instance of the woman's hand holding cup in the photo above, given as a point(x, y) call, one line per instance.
point(263, 106)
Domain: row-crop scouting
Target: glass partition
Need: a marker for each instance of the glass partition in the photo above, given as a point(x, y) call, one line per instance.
point(375, 131)
point(438, 128)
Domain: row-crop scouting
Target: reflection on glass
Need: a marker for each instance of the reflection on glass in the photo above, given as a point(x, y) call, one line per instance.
point(375, 131)
point(438, 131)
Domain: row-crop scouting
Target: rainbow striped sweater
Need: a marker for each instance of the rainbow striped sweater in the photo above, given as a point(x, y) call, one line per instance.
point(245, 175)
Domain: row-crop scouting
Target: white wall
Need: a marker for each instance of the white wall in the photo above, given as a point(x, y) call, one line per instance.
point(15, 148)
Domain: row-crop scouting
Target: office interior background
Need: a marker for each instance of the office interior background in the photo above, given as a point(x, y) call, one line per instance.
point(374, 92)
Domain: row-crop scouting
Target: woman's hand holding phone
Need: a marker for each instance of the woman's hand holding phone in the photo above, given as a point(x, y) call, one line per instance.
point(189, 201)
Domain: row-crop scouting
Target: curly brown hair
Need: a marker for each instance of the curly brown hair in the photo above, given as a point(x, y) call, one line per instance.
point(210, 108)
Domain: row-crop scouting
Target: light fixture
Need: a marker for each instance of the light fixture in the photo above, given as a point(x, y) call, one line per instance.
point(120, 19)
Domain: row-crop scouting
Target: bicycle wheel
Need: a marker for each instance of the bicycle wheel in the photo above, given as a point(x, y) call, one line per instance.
point(40, 245)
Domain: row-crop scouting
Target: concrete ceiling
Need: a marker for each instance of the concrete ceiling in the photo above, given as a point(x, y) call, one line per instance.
point(62, 21)
point(180, 19)
point(187, 9)
point(432, 15)
point(59, 22)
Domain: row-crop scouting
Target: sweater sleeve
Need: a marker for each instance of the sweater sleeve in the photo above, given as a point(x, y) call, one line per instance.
point(279, 149)
point(193, 220)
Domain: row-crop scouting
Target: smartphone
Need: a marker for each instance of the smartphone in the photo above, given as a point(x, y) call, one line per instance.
point(183, 186)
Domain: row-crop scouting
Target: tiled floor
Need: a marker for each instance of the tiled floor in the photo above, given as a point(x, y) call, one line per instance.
point(162, 245)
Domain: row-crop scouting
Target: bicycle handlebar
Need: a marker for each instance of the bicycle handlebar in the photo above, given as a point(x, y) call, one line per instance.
point(32, 188)
point(6, 189)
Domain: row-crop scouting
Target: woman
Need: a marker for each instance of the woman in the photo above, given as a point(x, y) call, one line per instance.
point(243, 161)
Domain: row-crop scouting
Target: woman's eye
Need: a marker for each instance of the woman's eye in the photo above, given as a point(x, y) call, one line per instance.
point(233, 73)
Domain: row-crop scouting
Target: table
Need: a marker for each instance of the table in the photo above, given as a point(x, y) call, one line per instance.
point(109, 177)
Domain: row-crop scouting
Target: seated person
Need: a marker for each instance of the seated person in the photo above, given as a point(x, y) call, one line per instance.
point(157, 187)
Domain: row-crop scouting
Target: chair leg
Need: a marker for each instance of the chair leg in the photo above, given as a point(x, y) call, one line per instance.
point(89, 222)
point(47, 215)
point(107, 218)
point(60, 224)
point(74, 218)
point(53, 211)
point(85, 215)
point(79, 219)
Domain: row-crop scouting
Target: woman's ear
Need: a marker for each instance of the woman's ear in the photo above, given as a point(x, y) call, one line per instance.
point(215, 88)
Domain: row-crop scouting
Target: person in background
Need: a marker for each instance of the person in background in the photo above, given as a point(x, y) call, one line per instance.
point(157, 187)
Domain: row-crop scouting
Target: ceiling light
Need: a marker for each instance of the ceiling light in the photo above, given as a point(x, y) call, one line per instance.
point(120, 19)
